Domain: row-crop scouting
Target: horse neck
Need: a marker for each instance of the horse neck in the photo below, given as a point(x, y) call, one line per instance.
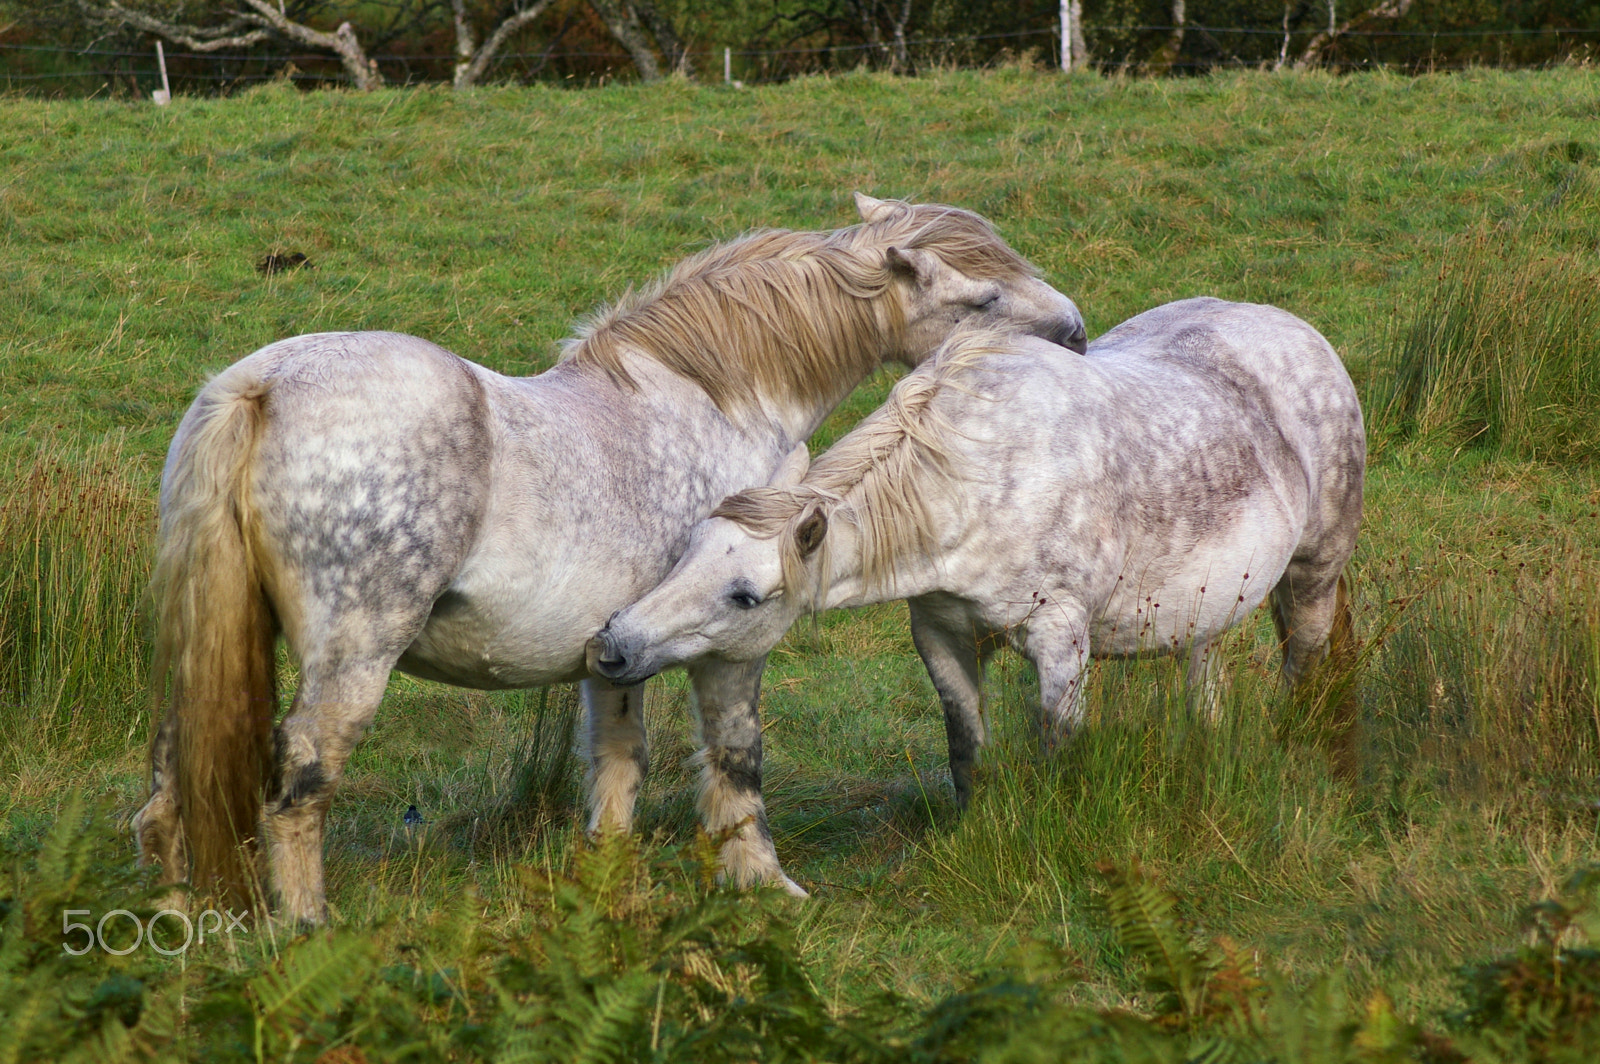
point(802, 415)
point(848, 587)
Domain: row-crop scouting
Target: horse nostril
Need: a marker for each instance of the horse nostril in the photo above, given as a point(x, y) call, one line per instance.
point(604, 657)
point(1072, 336)
point(607, 658)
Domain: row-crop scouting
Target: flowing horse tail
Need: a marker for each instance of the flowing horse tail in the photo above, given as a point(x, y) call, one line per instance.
point(215, 649)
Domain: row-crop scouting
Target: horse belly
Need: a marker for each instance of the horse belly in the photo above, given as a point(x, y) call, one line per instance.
point(505, 636)
point(1175, 599)
point(488, 650)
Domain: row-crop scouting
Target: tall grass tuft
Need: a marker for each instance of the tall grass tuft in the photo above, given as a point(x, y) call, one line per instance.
point(543, 784)
point(75, 538)
point(1491, 683)
point(1248, 798)
point(1500, 355)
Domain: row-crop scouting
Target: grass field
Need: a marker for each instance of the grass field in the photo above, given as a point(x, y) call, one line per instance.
point(1443, 232)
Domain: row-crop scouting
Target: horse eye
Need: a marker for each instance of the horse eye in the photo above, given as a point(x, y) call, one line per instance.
point(988, 301)
point(744, 599)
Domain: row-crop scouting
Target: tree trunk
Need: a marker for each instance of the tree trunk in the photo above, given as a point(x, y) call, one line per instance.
point(1161, 62)
point(472, 60)
point(666, 36)
point(623, 22)
point(1080, 48)
point(902, 55)
point(466, 46)
point(1390, 9)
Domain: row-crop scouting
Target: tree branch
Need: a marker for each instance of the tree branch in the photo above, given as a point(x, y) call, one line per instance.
point(199, 38)
point(257, 21)
point(471, 62)
point(342, 41)
point(1390, 9)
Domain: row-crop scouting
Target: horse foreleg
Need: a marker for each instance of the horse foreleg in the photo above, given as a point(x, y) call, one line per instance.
point(1204, 680)
point(331, 710)
point(1057, 642)
point(618, 755)
point(725, 697)
point(956, 668)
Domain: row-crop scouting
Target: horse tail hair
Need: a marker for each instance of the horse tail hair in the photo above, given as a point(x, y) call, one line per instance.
point(216, 636)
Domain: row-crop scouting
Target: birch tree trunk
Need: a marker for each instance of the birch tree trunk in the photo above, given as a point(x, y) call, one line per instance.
point(471, 58)
point(1161, 62)
point(661, 28)
point(623, 22)
point(902, 54)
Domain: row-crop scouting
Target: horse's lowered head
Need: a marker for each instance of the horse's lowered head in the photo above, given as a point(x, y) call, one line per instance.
point(732, 595)
point(952, 268)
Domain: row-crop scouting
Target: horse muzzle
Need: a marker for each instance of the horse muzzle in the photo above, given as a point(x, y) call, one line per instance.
point(1063, 324)
point(608, 659)
point(1072, 335)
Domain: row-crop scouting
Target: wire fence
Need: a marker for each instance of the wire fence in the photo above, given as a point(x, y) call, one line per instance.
point(133, 68)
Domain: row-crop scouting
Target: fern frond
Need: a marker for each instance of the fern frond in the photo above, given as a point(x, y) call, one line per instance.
point(1143, 917)
point(65, 850)
point(28, 1009)
point(310, 979)
point(584, 1024)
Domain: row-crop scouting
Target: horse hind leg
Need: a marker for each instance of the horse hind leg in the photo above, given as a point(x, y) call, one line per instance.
point(334, 705)
point(1312, 615)
point(1312, 618)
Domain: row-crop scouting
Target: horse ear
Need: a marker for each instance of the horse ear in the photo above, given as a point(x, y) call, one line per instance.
point(872, 210)
point(793, 470)
point(905, 264)
point(811, 531)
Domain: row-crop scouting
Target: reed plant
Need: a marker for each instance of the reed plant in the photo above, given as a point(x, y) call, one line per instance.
point(75, 548)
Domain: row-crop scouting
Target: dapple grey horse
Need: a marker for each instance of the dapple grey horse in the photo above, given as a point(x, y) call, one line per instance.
point(382, 503)
point(1142, 498)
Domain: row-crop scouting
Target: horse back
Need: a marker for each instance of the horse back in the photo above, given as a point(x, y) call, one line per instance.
point(1279, 371)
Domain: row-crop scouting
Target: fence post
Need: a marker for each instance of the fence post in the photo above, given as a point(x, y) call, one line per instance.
point(727, 66)
point(163, 95)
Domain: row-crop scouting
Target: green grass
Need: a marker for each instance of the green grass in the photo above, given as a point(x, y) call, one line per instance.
point(1439, 230)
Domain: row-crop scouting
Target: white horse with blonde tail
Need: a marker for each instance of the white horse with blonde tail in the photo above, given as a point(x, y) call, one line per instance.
point(1142, 498)
point(381, 503)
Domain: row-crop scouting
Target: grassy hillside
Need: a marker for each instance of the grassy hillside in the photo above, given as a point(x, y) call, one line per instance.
point(1441, 231)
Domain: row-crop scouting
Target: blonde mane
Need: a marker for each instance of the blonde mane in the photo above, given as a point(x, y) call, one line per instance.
point(879, 476)
point(786, 314)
